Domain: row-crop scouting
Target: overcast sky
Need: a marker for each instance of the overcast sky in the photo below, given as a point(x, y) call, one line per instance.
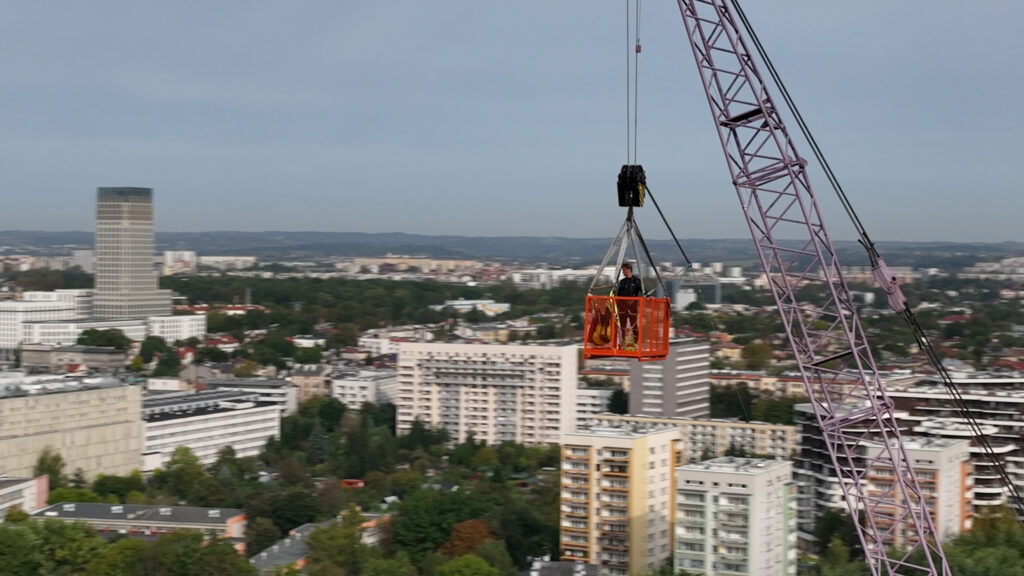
point(493, 118)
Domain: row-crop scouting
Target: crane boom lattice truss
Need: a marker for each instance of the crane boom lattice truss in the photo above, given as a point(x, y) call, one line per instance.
point(839, 373)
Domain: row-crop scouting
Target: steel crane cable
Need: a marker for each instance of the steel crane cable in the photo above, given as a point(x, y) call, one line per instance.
point(865, 240)
point(632, 80)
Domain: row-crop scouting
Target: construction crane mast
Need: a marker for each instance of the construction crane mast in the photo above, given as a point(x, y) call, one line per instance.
point(828, 342)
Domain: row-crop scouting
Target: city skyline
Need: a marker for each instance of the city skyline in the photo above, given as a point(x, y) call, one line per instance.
point(491, 120)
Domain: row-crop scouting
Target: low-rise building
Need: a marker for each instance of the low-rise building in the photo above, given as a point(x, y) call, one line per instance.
point(177, 327)
point(353, 388)
point(311, 380)
point(206, 422)
point(25, 494)
point(43, 358)
point(280, 392)
point(140, 521)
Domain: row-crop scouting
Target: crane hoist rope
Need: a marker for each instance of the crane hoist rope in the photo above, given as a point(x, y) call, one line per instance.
point(883, 277)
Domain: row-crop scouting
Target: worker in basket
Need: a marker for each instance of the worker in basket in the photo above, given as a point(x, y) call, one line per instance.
point(629, 286)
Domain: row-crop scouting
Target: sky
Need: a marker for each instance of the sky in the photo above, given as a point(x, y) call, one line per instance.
point(490, 118)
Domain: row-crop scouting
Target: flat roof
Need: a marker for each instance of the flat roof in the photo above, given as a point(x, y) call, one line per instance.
point(138, 513)
point(734, 464)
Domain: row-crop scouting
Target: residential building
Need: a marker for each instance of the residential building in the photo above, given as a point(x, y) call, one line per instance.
point(94, 423)
point(144, 520)
point(206, 422)
point(292, 550)
point(58, 359)
point(736, 516)
point(178, 327)
point(488, 307)
point(616, 498)
point(996, 403)
point(497, 393)
point(589, 403)
point(228, 262)
point(678, 386)
point(83, 259)
point(311, 380)
point(700, 439)
point(945, 475)
point(126, 279)
point(544, 567)
point(179, 262)
point(353, 388)
point(279, 392)
point(25, 494)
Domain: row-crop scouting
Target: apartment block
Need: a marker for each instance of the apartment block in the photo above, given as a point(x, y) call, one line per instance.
point(95, 423)
point(996, 403)
point(353, 388)
point(736, 516)
point(206, 422)
point(675, 387)
point(16, 314)
point(702, 438)
point(497, 393)
point(591, 402)
point(616, 498)
point(944, 473)
point(178, 327)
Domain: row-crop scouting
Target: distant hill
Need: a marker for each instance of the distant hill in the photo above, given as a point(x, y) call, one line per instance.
point(277, 245)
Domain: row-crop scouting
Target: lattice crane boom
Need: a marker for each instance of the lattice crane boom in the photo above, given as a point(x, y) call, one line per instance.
point(828, 342)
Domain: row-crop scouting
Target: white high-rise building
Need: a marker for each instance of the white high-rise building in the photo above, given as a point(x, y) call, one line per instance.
point(736, 516)
point(516, 393)
point(126, 279)
point(677, 387)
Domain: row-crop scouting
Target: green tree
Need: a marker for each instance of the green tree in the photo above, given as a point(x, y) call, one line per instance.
point(312, 355)
point(112, 338)
point(731, 401)
point(63, 547)
point(400, 565)
point(466, 537)
point(183, 472)
point(260, 534)
point(757, 355)
point(51, 463)
point(425, 519)
point(211, 354)
point(77, 495)
point(169, 364)
point(292, 508)
point(468, 565)
point(18, 555)
point(152, 345)
point(495, 553)
point(340, 544)
point(247, 369)
point(119, 486)
point(125, 557)
point(136, 364)
point(618, 402)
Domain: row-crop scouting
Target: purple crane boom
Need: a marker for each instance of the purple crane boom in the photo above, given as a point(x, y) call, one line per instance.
point(839, 373)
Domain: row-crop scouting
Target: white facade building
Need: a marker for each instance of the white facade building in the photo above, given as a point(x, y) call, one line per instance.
point(206, 422)
point(677, 387)
point(278, 392)
point(589, 403)
point(376, 386)
point(15, 314)
point(228, 262)
point(736, 516)
point(517, 393)
point(81, 298)
point(179, 327)
point(66, 332)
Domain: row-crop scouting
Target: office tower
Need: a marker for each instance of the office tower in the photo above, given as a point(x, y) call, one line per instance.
point(498, 393)
point(677, 387)
point(126, 278)
point(616, 498)
point(736, 516)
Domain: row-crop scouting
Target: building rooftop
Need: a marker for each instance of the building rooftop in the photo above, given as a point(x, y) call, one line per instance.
point(138, 512)
point(7, 481)
point(735, 465)
point(18, 384)
point(247, 383)
point(623, 431)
